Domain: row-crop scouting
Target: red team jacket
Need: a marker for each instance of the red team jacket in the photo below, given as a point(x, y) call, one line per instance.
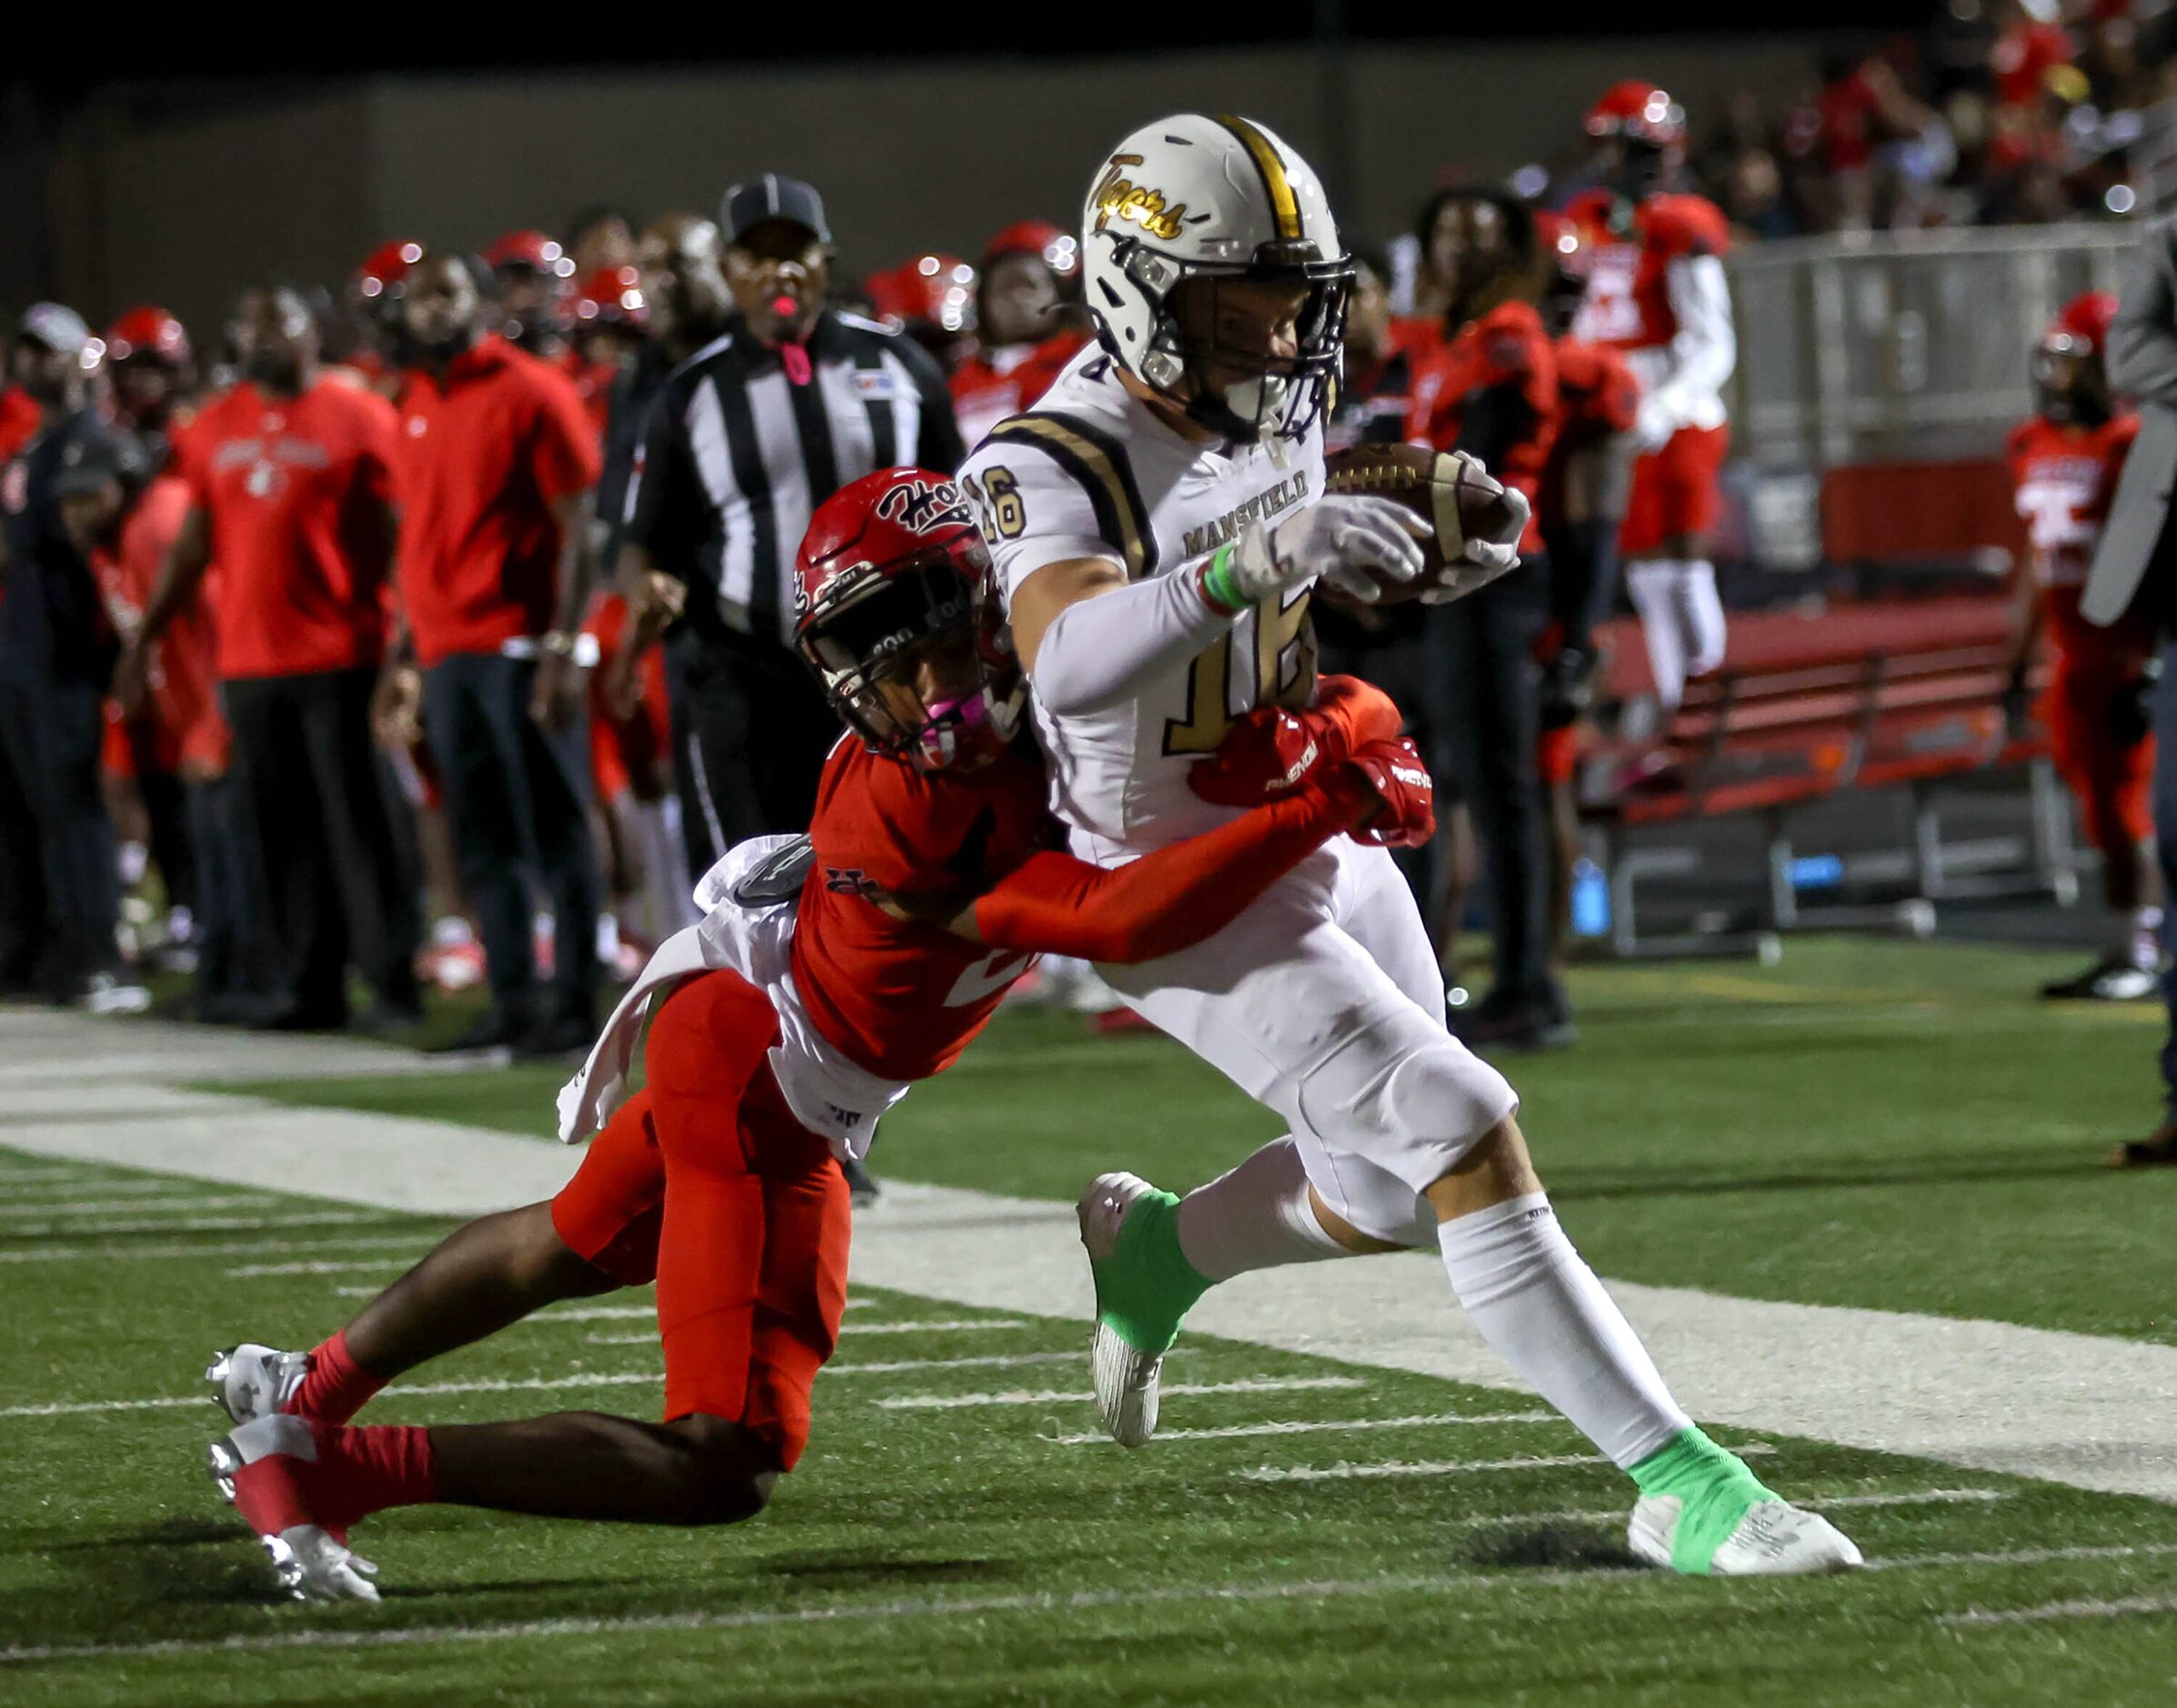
point(1507, 345)
point(1628, 302)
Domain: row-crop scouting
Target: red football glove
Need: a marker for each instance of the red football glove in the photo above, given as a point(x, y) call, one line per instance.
point(1269, 752)
point(1394, 771)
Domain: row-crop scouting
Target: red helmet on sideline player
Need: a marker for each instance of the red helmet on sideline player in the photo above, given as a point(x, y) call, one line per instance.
point(934, 291)
point(1058, 248)
point(609, 296)
point(895, 612)
point(1638, 135)
point(147, 354)
point(147, 331)
point(2070, 376)
point(529, 251)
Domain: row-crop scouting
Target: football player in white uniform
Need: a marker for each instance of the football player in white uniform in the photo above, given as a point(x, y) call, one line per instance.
point(1157, 521)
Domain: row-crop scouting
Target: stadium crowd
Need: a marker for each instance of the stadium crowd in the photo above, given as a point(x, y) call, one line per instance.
point(437, 629)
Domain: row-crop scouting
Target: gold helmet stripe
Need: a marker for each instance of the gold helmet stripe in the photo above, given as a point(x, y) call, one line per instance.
point(1284, 206)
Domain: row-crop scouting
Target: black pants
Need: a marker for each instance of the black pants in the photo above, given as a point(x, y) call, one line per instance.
point(166, 816)
point(26, 934)
point(231, 947)
point(1487, 721)
point(315, 790)
point(750, 733)
point(517, 798)
point(54, 729)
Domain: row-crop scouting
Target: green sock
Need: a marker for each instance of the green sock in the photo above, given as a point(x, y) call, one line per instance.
point(1147, 1284)
point(1715, 1485)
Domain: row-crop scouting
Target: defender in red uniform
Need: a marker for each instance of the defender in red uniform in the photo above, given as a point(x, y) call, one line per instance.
point(1656, 291)
point(2064, 465)
point(825, 974)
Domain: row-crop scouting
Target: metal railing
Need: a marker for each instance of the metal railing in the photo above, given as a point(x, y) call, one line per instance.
point(1900, 346)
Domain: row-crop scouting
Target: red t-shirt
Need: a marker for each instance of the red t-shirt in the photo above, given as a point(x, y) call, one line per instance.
point(19, 419)
point(903, 998)
point(1509, 346)
point(482, 457)
point(293, 491)
point(183, 706)
point(1628, 301)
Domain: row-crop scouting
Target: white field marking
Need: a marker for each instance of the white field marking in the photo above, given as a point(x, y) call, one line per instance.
point(139, 1206)
point(196, 1224)
point(937, 1326)
point(70, 1173)
point(71, 1253)
point(1061, 1396)
point(2121, 1609)
point(2096, 1416)
point(981, 1361)
point(1234, 1432)
point(2034, 1556)
point(1617, 1514)
point(30, 1195)
point(390, 1266)
point(1043, 1602)
point(1342, 1472)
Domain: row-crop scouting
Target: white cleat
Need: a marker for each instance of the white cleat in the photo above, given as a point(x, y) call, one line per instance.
point(1125, 1377)
point(250, 1382)
point(310, 1563)
point(1775, 1539)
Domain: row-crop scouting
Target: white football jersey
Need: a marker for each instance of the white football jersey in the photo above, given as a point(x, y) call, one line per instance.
point(1089, 472)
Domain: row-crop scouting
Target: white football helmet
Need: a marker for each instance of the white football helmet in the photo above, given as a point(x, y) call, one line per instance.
point(1192, 196)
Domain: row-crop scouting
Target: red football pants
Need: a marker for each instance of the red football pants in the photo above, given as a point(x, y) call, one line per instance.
point(706, 1181)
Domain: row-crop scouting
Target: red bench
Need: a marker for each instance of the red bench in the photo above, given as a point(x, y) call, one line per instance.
point(1808, 705)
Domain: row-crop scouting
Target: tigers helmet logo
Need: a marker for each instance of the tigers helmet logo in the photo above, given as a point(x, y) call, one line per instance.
point(922, 507)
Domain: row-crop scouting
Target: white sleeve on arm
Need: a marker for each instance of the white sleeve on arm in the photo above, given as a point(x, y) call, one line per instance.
point(1706, 349)
point(1102, 651)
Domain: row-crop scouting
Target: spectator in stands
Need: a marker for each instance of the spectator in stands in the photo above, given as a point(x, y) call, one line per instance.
point(289, 482)
point(495, 462)
point(56, 654)
point(1491, 390)
point(2134, 578)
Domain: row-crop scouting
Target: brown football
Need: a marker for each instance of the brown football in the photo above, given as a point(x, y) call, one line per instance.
point(1453, 494)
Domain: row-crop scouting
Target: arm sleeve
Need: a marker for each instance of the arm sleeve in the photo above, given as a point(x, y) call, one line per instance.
point(1101, 651)
point(1168, 900)
point(1706, 349)
point(2143, 339)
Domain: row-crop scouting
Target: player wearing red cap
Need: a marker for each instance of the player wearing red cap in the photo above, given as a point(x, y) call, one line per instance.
point(1026, 326)
point(1656, 291)
point(829, 973)
point(2064, 463)
point(530, 279)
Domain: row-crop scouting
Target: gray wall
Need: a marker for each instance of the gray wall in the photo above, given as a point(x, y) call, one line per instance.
point(912, 154)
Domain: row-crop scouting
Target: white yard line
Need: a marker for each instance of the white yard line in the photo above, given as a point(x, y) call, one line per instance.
point(921, 1608)
point(1239, 1432)
point(941, 1325)
point(2090, 1412)
point(191, 1224)
point(1061, 1396)
point(2123, 1608)
point(31, 1196)
point(141, 1204)
point(1343, 1472)
point(232, 1248)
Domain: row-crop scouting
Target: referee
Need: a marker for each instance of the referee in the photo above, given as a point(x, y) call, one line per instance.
point(792, 401)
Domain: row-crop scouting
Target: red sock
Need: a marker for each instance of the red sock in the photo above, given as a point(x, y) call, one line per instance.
point(336, 1387)
point(368, 1468)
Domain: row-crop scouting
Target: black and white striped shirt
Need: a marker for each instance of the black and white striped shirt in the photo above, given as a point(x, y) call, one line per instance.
point(735, 457)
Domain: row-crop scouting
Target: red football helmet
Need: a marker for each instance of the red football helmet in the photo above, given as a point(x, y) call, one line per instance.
point(934, 291)
point(531, 251)
point(2070, 376)
point(895, 612)
point(385, 268)
point(1641, 113)
point(2081, 325)
point(147, 331)
point(1059, 249)
point(610, 296)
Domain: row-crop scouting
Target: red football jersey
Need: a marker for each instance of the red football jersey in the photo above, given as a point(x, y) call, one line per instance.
point(1508, 345)
point(991, 387)
point(2064, 479)
point(1628, 301)
point(901, 997)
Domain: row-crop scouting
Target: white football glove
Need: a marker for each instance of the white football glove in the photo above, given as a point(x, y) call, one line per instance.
point(1484, 559)
point(1339, 538)
point(1656, 421)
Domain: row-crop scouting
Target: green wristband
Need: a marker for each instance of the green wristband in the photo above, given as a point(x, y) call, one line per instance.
point(1219, 586)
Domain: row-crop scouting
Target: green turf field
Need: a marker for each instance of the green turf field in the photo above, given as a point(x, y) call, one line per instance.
point(1867, 1124)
